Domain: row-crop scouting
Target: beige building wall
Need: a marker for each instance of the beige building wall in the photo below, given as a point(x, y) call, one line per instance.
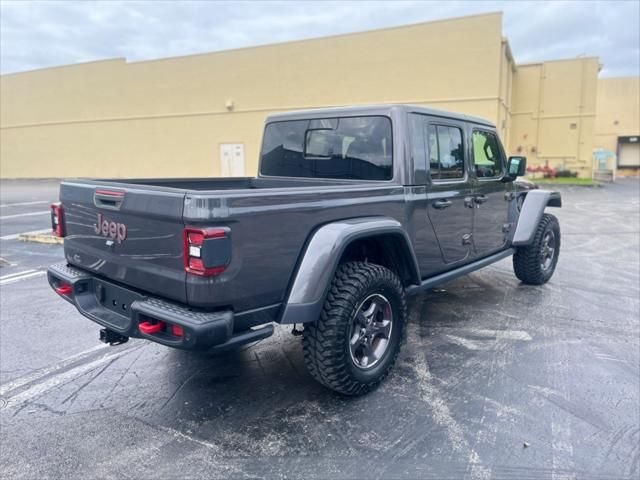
point(167, 118)
point(553, 113)
point(505, 93)
point(618, 112)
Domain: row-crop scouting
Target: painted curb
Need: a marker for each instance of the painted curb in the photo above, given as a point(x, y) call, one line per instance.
point(41, 238)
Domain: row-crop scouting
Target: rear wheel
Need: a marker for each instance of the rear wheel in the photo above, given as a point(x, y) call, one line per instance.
point(354, 344)
point(535, 263)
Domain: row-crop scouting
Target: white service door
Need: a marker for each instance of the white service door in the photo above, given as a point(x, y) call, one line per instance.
point(232, 159)
point(629, 155)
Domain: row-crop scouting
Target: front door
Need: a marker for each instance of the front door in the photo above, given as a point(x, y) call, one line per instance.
point(450, 210)
point(491, 194)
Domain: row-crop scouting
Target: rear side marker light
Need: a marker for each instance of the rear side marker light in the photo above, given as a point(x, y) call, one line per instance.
point(57, 219)
point(194, 243)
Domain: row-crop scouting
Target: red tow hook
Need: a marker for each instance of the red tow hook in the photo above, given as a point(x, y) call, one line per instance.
point(64, 289)
point(150, 328)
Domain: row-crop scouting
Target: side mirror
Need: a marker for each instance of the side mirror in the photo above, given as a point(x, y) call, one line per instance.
point(516, 167)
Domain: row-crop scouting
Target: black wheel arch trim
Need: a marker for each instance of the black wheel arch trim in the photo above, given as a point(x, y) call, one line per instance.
point(321, 259)
point(532, 210)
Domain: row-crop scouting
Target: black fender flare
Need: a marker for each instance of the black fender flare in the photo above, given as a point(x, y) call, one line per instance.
point(320, 261)
point(531, 212)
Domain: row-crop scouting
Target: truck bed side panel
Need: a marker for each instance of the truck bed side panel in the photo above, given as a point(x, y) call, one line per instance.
point(269, 230)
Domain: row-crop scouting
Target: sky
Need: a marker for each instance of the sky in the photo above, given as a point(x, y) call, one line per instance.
point(39, 34)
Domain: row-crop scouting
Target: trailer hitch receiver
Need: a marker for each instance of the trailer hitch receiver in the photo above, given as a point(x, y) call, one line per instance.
point(111, 337)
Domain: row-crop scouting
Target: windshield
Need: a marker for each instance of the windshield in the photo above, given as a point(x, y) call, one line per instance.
point(357, 148)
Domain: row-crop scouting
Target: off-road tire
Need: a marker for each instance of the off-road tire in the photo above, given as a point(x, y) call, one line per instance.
point(326, 342)
point(527, 261)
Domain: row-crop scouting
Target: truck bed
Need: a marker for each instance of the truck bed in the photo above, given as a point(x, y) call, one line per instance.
point(269, 220)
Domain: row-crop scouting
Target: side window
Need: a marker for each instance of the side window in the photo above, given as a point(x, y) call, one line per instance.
point(486, 154)
point(446, 152)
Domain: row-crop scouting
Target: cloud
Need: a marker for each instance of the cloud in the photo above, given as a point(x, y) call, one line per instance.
point(44, 34)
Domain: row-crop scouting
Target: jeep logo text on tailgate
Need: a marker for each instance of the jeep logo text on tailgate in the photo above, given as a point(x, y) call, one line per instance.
point(117, 231)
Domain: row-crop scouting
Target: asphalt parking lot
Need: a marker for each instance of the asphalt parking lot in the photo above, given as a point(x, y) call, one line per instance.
point(488, 366)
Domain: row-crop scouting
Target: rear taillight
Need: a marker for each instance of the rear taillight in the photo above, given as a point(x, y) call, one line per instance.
point(57, 219)
point(206, 251)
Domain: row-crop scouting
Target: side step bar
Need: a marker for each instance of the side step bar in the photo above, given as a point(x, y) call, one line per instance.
point(459, 272)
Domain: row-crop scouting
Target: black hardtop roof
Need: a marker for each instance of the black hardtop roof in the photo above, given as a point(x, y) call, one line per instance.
point(373, 110)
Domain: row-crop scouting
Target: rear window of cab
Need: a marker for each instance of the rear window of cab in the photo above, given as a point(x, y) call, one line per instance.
point(350, 148)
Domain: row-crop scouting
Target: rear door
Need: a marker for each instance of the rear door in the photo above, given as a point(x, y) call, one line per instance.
point(449, 196)
point(129, 234)
point(491, 195)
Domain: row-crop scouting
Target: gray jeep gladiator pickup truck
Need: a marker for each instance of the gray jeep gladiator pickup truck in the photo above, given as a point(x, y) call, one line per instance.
point(353, 210)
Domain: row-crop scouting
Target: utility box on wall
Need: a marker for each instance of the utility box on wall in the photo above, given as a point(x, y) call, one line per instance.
point(232, 160)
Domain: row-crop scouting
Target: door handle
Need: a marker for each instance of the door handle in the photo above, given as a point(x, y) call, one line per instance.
point(440, 204)
point(480, 199)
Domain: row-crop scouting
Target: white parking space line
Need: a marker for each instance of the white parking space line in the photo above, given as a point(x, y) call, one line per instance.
point(23, 204)
point(4, 277)
point(40, 388)
point(33, 232)
point(22, 381)
point(21, 277)
point(30, 214)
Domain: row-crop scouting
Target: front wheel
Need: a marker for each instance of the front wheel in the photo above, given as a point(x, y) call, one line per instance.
point(354, 344)
point(535, 263)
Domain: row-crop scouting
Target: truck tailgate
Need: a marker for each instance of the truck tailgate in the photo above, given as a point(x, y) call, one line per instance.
point(133, 235)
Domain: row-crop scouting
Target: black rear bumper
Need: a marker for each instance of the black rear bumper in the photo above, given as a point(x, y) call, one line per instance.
point(123, 310)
